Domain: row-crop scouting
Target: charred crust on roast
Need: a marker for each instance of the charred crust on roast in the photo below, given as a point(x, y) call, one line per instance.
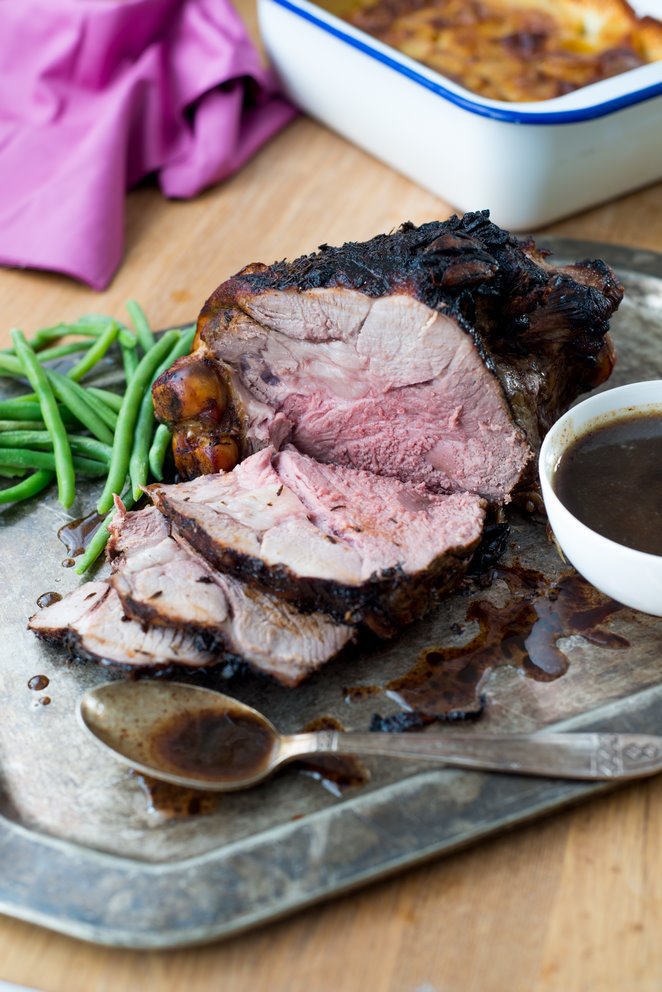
point(443, 263)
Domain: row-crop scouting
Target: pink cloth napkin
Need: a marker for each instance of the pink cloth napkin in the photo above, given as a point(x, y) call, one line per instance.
point(96, 94)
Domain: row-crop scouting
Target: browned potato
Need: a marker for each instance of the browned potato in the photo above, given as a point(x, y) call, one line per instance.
point(516, 50)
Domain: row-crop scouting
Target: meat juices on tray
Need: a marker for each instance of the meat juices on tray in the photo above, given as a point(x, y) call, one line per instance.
point(351, 415)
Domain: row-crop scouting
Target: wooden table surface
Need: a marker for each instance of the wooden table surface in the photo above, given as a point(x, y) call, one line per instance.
point(570, 904)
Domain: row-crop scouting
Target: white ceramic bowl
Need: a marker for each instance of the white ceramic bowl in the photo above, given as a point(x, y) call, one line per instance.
point(529, 163)
point(631, 577)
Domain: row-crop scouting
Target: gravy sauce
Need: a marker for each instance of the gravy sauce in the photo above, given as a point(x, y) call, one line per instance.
point(611, 479)
point(212, 744)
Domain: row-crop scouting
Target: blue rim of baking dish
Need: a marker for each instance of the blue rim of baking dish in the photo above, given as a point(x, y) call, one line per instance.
point(483, 110)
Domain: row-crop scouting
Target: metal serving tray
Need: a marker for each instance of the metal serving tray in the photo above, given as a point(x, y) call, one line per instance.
point(82, 848)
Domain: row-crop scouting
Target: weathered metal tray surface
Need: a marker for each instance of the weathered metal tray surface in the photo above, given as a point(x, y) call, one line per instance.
point(82, 852)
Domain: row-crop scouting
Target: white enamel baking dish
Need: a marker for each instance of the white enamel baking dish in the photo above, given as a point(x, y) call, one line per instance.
point(530, 163)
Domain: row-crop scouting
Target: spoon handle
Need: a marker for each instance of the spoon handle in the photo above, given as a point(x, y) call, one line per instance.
point(599, 757)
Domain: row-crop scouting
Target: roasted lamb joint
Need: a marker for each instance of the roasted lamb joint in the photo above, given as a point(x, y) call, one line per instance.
point(437, 355)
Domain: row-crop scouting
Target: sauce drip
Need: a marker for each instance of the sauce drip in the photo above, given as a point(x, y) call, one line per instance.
point(38, 682)
point(175, 802)
point(523, 633)
point(77, 534)
point(212, 743)
point(47, 599)
point(334, 772)
point(611, 480)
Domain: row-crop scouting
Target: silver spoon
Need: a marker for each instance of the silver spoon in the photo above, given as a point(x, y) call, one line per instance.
point(200, 738)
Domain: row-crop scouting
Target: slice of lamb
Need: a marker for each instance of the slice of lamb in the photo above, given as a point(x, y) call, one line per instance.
point(162, 581)
point(364, 548)
point(90, 622)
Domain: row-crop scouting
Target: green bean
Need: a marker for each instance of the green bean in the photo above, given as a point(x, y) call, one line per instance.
point(92, 468)
point(102, 410)
point(27, 488)
point(105, 412)
point(100, 539)
point(158, 451)
point(145, 336)
point(21, 425)
point(12, 473)
point(99, 323)
point(45, 353)
point(85, 327)
point(53, 334)
point(10, 365)
point(142, 438)
point(129, 361)
point(62, 350)
point(181, 347)
point(127, 338)
point(10, 409)
point(96, 352)
point(26, 458)
point(88, 468)
point(38, 379)
point(91, 325)
point(23, 398)
point(82, 406)
point(113, 400)
point(63, 330)
point(185, 342)
point(41, 439)
point(128, 416)
point(94, 547)
point(26, 439)
point(89, 446)
point(14, 410)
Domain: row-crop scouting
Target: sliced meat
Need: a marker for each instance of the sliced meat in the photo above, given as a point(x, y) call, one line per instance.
point(364, 548)
point(91, 624)
point(162, 581)
point(437, 355)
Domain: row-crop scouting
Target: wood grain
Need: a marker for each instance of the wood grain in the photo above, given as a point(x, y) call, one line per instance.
point(570, 904)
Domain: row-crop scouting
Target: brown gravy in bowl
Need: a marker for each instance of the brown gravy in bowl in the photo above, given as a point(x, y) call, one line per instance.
point(611, 479)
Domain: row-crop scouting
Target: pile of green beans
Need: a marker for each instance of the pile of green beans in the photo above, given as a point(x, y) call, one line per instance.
point(66, 428)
